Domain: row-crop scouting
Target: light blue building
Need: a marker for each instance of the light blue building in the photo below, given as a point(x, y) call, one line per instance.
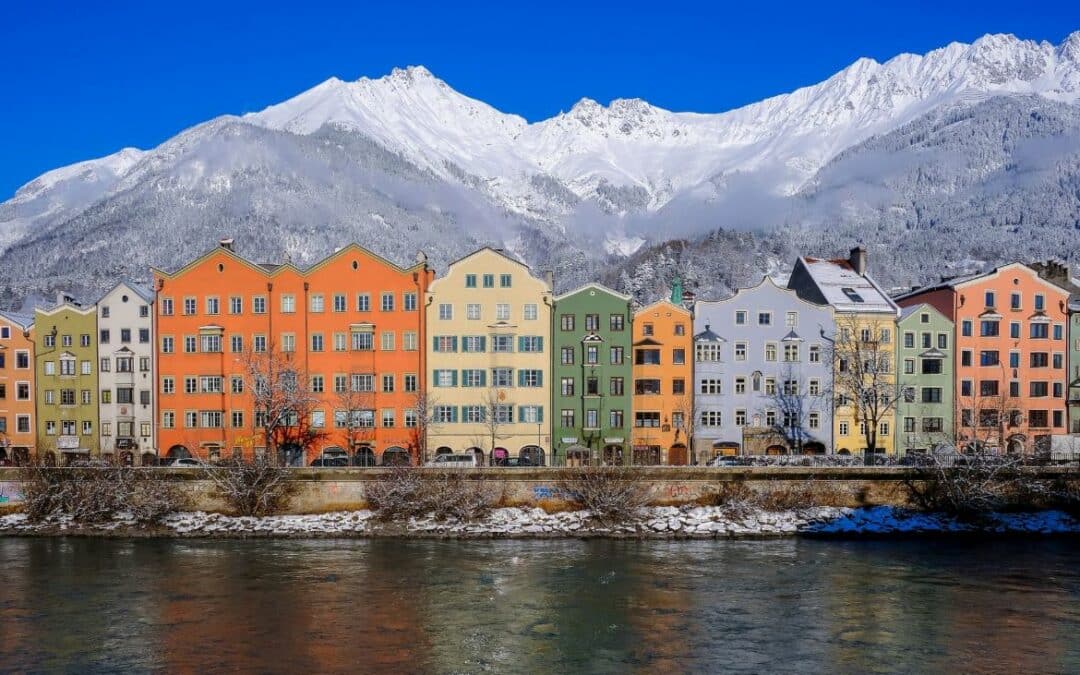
point(762, 375)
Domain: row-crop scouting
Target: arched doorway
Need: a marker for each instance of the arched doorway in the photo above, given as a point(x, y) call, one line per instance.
point(499, 456)
point(578, 455)
point(843, 451)
point(364, 456)
point(613, 454)
point(776, 449)
point(177, 452)
point(813, 448)
point(677, 455)
point(396, 456)
point(1016, 444)
point(725, 448)
point(50, 458)
point(127, 458)
point(533, 454)
point(478, 453)
point(149, 459)
point(647, 455)
point(443, 450)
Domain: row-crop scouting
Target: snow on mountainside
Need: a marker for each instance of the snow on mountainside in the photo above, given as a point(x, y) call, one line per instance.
point(404, 162)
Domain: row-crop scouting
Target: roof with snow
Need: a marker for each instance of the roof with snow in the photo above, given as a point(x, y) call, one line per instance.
point(24, 321)
point(845, 289)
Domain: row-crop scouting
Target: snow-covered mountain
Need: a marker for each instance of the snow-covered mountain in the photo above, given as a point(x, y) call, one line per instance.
point(406, 155)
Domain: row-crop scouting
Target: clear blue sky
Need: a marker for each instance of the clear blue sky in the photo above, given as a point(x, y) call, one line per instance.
point(79, 80)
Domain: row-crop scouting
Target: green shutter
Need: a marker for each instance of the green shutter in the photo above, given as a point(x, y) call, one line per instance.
point(483, 343)
point(539, 378)
point(435, 343)
point(540, 343)
point(454, 413)
point(539, 413)
point(521, 378)
point(453, 340)
point(483, 378)
point(453, 378)
point(521, 343)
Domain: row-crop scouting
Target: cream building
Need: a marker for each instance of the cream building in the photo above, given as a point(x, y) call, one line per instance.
point(125, 374)
point(488, 360)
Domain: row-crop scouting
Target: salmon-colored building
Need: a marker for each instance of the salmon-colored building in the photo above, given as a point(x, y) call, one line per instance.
point(663, 410)
point(1010, 356)
point(17, 433)
point(351, 327)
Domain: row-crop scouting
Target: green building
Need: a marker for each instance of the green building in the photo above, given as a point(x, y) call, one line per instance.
point(65, 345)
point(925, 412)
point(592, 376)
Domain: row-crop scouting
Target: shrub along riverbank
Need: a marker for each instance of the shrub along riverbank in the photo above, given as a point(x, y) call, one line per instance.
point(256, 498)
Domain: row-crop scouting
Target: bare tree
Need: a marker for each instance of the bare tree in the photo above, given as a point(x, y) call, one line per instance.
point(985, 414)
point(423, 407)
point(357, 406)
point(494, 407)
point(283, 400)
point(794, 403)
point(863, 374)
point(683, 418)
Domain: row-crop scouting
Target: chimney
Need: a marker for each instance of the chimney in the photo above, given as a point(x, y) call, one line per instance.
point(549, 279)
point(227, 244)
point(61, 298)
point(857, 260)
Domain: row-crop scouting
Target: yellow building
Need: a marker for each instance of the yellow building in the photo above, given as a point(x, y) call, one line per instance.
point(864, 342)
point(488, 362)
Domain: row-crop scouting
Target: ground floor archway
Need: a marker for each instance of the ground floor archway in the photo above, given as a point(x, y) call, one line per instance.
point(443, 450)
point(396, 456)
point(127, 458)
point(499, 456)
point(149, 459)
point(291, 454)
point(613, 454)
point(1016, 444)
point(478, 453)
point(776, 449)
point(578, 455)
point(177, 452)
point(364, 456)
point(647, 455)
point(813, 448)
point(533, 454)
point(678, 455)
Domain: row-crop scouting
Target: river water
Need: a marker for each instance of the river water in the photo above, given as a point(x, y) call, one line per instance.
point(100, 605)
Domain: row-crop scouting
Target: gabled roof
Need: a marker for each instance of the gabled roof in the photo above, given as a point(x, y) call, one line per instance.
point(594, 286)
point(141, 290)
point(958, 282)
point(658, 303)
point(274, 268)
point(24, 321)
point(845, 289)
point(765, 279)
point(708, 335)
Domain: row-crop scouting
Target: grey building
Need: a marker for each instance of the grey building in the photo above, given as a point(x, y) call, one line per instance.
point(762, 376)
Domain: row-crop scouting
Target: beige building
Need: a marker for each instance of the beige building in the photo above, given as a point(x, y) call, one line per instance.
point(488, 360)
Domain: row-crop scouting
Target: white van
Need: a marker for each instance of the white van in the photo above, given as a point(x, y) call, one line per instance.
point(454, 461)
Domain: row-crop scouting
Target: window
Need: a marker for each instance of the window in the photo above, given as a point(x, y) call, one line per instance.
point(502, 377)
point(616, 387)
point(446, 311)
point(710, 418)
point(190, 344)
point(502, 311)
point(740, 417)
point(316, 303)
point(592, 355)
point(931, 394)
point(989, 328)
point(710, 386)
point(740, 385)
point(386, 304)
point(409, 341)
point(259, 343)
point(502, 343)
point(166, 307)
point(791, 319)
point(363, 341)
point(942, 341)
point(791, 352)
point(1059, 360)
point(592, 386)
point(530, 311)
point(680, 329)
point(104, 336)
point(707, 352)
point(616, 419)
point(189, 306)
point(927, 340)
point(990, 298)
point(988, 387)
point(566, 417)
point(1014, 301)
point(843, 428)
point(288, 342)
point(489, 281)
point(931, 366)
point(210, 419)
point(851, 294)
point(814, 388)
point(530, 378)
point(909, 366)
point(617, 322)
point(258, 304)
point(361, 382)
point(567, 386)
point(211, 343)
point(473, 378)
point(678, 356)
point(965, 328)
point(815, 354)
point(410, 302)
point(764, 318)
point(236, 384)
point(86, 369)
point(770, 351)
point(678, 386)
point(1040, 331)
point(647, 420)
point(210, 384)
point(566, 356)
point(236, 304)
point(388, 382)
point(616, 355)
point(989, 358)
point(566, 322)
point(1039, 389)
point(531, 344)
point(1059, 331)
point(592, 322)
point(213, 305)
point(288, 303)
point(740, 318)
point(647, 357)
point(1040, 302)
point(1040, 359)
point(474, 344)
point(1037, 418)
point(444, 378)
point(363, 302)
point(470, 281)
point(965, 357)
point(504, 281)
point(740, 351)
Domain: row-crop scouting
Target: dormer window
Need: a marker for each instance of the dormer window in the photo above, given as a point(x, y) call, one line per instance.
point(852, 295)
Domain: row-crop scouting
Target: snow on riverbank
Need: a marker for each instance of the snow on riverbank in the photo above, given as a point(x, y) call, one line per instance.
point(657, 522)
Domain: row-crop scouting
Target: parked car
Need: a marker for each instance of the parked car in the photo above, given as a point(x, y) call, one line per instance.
point(515, 462)
point(454, 461)
point(725, 460)
point(328, 461)
point(185, 462)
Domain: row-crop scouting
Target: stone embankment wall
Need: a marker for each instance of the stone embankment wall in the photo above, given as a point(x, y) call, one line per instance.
point(325, 490)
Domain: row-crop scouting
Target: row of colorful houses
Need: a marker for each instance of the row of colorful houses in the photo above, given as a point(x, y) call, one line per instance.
point(358, 357)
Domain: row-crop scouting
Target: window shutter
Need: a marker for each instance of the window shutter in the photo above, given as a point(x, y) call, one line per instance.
point(435, 343)
point(539, 413)
point(453, 413)
point(539, 378)
point(483, 378)
point(483, 343)
point(453, 378)
point(453, 341)
point(540, 343)
point(521, 378)
point(521, 343)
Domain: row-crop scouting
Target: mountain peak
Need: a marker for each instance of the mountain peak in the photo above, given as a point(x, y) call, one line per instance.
point(411, 74)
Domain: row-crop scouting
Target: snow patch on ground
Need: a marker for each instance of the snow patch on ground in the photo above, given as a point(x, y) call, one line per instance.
point(702, 522)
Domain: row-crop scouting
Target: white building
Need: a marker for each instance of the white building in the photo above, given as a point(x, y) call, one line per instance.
point(126, 377)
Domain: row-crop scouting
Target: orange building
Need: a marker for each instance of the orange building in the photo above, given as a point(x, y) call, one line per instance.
point(662, 397)
point(350, 327)
point(17, 432)
point(1011, 348)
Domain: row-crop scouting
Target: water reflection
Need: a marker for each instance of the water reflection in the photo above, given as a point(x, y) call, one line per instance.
point(84, 605)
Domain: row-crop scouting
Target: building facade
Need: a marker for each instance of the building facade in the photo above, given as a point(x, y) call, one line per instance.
point(346, 333)
point(488, 364)
point(66, 353)
point(1010, 371)
point(1059, 273)
point(762, 375)
point(925, 359)
point(18, 436)
point(126, 381)
point(591, 375)
point(663, 398)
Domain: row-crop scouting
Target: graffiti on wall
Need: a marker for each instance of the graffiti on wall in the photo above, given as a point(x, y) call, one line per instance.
point(10, 492)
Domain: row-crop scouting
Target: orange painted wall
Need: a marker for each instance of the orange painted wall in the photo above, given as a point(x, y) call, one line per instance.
point(667, 321)
point(967, 302)
point(221, 273)
point(11, 407)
